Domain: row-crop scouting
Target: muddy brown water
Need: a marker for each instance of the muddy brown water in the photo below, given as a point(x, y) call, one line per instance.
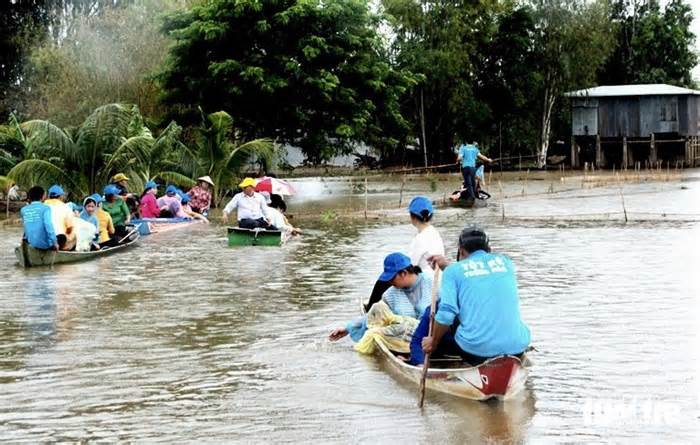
point(182, 339)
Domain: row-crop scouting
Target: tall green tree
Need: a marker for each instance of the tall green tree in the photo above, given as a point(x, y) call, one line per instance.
point(307, 72)
point(652, 44)
point(574, 39)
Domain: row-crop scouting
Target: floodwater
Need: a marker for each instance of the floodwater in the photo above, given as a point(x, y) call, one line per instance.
point(182, 339)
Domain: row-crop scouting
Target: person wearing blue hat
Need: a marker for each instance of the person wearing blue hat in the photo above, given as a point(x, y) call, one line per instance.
point(478, 315)
point(62, 217)
point(117, 209)
point(38, 224)
point(148, 207)
point(426, 243)
point(408, 296)
point(171, 204)
point(186, 199)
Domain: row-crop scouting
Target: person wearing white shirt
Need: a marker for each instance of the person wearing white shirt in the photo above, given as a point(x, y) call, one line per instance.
point(426, 243)
point(251, 207)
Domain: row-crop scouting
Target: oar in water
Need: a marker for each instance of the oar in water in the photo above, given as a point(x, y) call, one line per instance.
point(128, 235)
point(426, 362)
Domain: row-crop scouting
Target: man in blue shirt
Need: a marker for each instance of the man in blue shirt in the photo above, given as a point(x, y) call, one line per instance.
point(481, 292)
point(468, 154)
point(36, 218)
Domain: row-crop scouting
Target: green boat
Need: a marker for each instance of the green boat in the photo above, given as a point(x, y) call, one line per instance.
point(255, 237)
point(27, 256)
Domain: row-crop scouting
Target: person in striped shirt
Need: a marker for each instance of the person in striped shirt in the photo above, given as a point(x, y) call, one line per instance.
point(408, 297)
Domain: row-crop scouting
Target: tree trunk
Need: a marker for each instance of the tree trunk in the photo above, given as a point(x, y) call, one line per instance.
point(549, 99)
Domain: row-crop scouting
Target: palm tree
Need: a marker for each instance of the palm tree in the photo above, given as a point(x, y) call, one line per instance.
point(219, 153)
point(112, 139)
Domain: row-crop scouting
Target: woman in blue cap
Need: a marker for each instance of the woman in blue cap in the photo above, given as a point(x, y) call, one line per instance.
point(148, 207)
point(117, 209)
point(426, 243)
point(408, 296)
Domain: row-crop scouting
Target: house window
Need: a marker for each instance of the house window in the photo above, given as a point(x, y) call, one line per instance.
point(669, 109)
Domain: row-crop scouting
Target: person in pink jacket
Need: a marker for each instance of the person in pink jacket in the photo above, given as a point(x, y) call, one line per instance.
point(149, 207)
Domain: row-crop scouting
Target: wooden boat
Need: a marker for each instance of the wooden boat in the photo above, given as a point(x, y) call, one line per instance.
point(150, 226)
point(238, 236)
point(468, 203)
point(27, 256)
point(499, 378)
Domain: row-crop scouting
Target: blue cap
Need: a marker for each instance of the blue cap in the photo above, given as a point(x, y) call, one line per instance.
point(151, 185)
point(185, 197)
point(394, 263)
point(75, 207)
point(56, 190)
point(111, 190)
point(420, 203)
point(96, 197)
point(171, 189)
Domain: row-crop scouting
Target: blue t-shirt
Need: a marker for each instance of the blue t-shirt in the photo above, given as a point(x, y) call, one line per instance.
point(482, 292)
point(38, 226)
point(468, 153)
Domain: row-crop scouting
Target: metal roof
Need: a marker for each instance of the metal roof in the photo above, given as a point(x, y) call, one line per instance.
point(652, 89)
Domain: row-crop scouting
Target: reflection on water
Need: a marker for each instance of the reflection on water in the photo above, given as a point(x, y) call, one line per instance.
point(182, 339)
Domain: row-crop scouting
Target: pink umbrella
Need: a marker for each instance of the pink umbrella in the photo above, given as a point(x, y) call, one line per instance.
point(274, 186)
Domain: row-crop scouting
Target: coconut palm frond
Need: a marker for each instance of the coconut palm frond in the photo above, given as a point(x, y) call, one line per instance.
point(44, 140)
point(133, 153)
point(32, 172)
point(173, 177)
point(5, 183)
point(258, 148)
point(167, 142)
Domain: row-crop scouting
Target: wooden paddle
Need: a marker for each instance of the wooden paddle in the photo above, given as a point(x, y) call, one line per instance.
point(136, 227)
point(426, 362)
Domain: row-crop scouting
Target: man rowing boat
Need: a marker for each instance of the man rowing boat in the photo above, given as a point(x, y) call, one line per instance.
point(479, 292)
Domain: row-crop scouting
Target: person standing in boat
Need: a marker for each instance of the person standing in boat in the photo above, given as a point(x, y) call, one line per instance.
point(251, 206)
point(396, 316)
point(467, 156)
point(38, 224)
point(480, 292)
point(200, 195)
point(426, 243)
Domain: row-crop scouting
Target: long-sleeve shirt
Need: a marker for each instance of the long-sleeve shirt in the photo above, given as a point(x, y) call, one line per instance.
point(249, 207)
point(409, 302)
point(38, 225)
point(118, 210)
point(173, 204)
point(482, 292)
point(201, 199)
point(426, 243)
point(149, 207)
point(105, 225)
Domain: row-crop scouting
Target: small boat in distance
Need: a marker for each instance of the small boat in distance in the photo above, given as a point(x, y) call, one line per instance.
point(27, 256)
point(150, 226)
point(238, 236)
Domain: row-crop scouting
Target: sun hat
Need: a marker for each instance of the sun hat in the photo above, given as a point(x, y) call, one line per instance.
point(55, 191)
point(120, 177)
point(247, 182)
point(111, 190)
point(419, 204)
point(393, 264)
point(206, 179)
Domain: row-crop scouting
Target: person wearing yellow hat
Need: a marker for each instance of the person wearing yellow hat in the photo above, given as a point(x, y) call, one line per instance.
point(200, 195)
point(251, 207)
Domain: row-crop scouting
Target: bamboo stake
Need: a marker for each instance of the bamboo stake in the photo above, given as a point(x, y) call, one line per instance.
point(365, 198)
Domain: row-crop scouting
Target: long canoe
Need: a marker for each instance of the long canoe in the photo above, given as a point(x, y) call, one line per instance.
point(238, 236)
point(27, 256)
point(499, 378)
point(150, 226)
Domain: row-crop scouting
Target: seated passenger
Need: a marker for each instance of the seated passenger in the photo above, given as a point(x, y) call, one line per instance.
point(187, 210)
point(169, 204)
point(105, 226)
point(62, 217)
point(276, 210)
point(253, 212)
point(117, 209)
point(148, 206)
point(480, 292)
point(88, 235)
point(37, 222)
point(201, 195)
point(396, 316)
